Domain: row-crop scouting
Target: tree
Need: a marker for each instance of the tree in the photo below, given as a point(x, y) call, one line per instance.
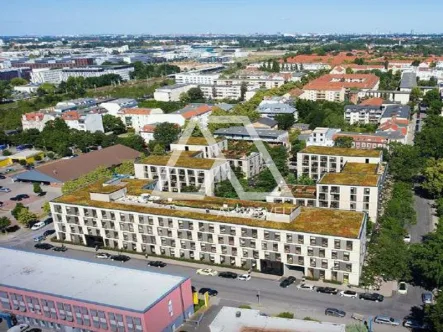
point(433, 175)
point(285, 121)
point(416, 94)
point(275, 66)
point(132, 141)
point(405, 161)
point(434, 314)
point(415, 63)
point(16, 81)
point(46, 89)
point(344, 142)
point(195, 95)
point(46, 208)
point(5, 90)
point(37, 188)
point(359, 61)
point(15, 211)
point(114, 124)
point(165, 133)
point(6, 153)
point(25, 216)
point(429, 141)
point(5, 222)
point(431, 95)
point(243, 90)
point(159, 150)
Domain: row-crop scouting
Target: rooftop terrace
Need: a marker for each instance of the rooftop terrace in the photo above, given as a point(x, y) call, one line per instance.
point(350, 179)
point(334, 151)
point(182, 161)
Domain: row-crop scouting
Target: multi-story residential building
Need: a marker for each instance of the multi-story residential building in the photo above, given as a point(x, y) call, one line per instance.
point(91, 122)
point(373, 140)
point(266, 83)
point(272, 238)
point(314, 161)
point(147, 132)
point(36, 120)
point(196, 78)
point(75, 104)
point(363, 114)
point(173, 174)
point(250, 164)
point(56, 294)
point(357, 188)
point(196, 112)
point(356, 68)
point(408, 81)
point(233, 91)
point(137, 118)
point(397, 113)
point(114, 106)
point(200, 144)
point(8, 74)
point(333, 87)
point(320, 136)
point(271, 110)
point(300, 195)
point(242, 134)
point(172, 92)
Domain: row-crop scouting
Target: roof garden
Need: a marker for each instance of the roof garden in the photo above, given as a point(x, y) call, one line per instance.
point(335, 151)
point(350, 179)
point(303, 191)
point(199, 141)
point(360, 168)
point(311, 220)
point(182, 161)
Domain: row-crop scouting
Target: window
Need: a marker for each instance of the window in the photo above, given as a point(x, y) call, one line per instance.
point(301, 239)
point(4, 300)
point(337, 244)
point(170, 309)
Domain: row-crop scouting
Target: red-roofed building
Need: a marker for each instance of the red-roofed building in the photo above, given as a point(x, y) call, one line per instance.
point(147, 132)
point(373, 102)
point(370, 141)
point(71, 116)
point(356, 68)
point(137, 118)
point(333, 87)
point(36, 120)
point(196, 112)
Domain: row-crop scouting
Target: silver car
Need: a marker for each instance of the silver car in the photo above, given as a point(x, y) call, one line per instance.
point(386, 320)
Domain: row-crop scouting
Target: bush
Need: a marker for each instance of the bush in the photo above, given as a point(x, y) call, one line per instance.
point(6, 153)
point(22, 162)
point(311, 319)
point(286, 314)
point(244, 306)
point(50, 155)
point(18, 207)
point(37, 158)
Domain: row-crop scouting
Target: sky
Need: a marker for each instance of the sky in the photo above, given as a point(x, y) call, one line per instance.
point(72, 17)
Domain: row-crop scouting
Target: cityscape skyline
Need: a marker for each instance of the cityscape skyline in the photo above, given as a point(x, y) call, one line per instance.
point(198, 17)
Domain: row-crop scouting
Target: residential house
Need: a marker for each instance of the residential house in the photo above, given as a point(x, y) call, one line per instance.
point(90, 122)
point(254, 134)
point(137, 118)
point(172, 92)
point(114, 106)
point(265, 123)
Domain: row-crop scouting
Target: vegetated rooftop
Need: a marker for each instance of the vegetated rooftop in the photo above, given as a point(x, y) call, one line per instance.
point(185, 162)
point(335, 151)
point(199, 141)
point(310, 220)
point(350, 179)
point(302, 191)
point(360, 168)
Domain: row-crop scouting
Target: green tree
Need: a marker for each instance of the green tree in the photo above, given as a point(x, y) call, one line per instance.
point(243, 90)
point(434, 315)
point(5, 222)
point(159, 150)
point(415, 63)
point(359, 61)
point(132, 141)
point(430, 96)
point(275, 66)
point(405, 161)
point(429, 141)
point(349, 70)
point(16, 81)
point(416, 94)
point(5, 90)
point(195, 95)
point(37, 188)
point(285, 121)
point(46, 89)
point(25, 216)
point(15, 211)
point(433, 177)
point(46, 208)
point(166, 133)
point(225, 189)
point(344, 142)
point(6, 153)
point(114, 124)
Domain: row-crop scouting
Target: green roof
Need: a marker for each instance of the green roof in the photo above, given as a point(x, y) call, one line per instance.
point(334, 151)
point(199, 141)
point(350, 179)
point(360, 168)
point(185, 162)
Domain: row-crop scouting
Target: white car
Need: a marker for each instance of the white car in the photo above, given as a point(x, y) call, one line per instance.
point(103, 255)
point(38, 225)
point(5, 190)
point(349, 293)
point(207, 272)
point(407, 238)
point(402, 288)
point(307, 287)
point(244, 277)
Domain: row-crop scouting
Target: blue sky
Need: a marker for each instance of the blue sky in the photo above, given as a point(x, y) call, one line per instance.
point(40, 17)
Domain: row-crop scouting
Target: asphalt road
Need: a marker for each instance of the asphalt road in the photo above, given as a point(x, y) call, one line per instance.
point(423, 208)
point(245, 292)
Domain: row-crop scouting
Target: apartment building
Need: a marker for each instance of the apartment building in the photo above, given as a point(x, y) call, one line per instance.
point(356, 188)
point(320, 136)
point(300, 195)
point(373, 140)
point(222, 91)
point(314, 161)
point(54, 293)
point(334, 87)
point(267, 135)
point(272, 238)
point(36, 120)
point(398, 113)
point(137, 118)
point(265, 83)
point(114, 106)
point(173, 174)
point(196, 78)
point(147, 132)
point(198, 112)
point(271, 110)
point(250, 164)
point(91, 122)
point(363, 114)
point(200, 144)
point(172, 92)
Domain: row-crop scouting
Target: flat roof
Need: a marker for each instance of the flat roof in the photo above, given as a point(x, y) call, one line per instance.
point(199, 141)
point(185, 162)
point(360, 168)
point(334, 151)
point(25, 154)
point(242, 131)
point(101, 284)
point(350, 179)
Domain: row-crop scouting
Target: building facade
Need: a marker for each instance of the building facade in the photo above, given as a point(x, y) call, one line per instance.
point(195, 78)
point(172, 92)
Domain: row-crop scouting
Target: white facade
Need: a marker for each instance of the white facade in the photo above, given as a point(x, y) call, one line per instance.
point(322, 137)
point(36, 120)
point(89, 122)
point(116, 105)
point(137, 118)
point(196, 78)
point(29, 88)
point(266, 83)
point(172, 93)
point(200, 144)
point(170, 118)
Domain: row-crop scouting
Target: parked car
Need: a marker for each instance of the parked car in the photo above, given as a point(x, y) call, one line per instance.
point(210, 291)
point(349, 293)
point(427, 298)
point(60, 249)
point(228, 275)
point(287, 282)
point(120, 258)
point(2, 177)
point(244, 277)
point(5, 190)
point(19, 197)
point(103, 255)
point(156, 264)
point(38, 225)
point(414, 324)
point(44, 246)
point(49, 221)
point(39, 238)
point(307, 287)
point(386, 320)
point(407, 238)
point(335, 312)
point(371, 297)
point(402, 288)
point(48, 232)
point(207, 272)
point(327, 290)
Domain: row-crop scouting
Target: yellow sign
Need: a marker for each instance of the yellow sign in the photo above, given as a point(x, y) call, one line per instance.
point(195, 297)
point(206, 299)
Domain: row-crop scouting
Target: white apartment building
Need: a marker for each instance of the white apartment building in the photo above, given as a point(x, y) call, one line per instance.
point(272, 238)
point(321, 136)
point(114, 106)
point(184, 172)
point(172, 92)
point(91, 122)
point(36, 120)
point(147, 132)
point(314, 161)
point(266, 83)
point(200, 144)
point(250, 164)
point(242, 134)
point(137, 118)
point(363, 114)
point(196, 78)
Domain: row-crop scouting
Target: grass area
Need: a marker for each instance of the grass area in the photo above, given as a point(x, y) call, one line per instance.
point(185, 162)
point(350, 179)
point(334, 151)
point(360, 168)
point(285, 314)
